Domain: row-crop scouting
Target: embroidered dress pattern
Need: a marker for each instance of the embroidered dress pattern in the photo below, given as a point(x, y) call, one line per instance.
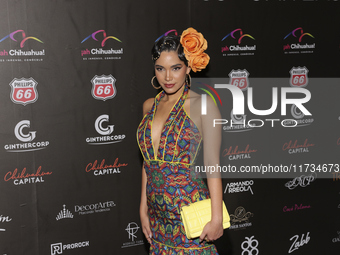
point(171, 182)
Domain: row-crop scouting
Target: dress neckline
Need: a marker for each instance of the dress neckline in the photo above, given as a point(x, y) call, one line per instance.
point(171, 116)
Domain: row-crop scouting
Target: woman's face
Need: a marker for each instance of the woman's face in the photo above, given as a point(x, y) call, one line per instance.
point(170, 71)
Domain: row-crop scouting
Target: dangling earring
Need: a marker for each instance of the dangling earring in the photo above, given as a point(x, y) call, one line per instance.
point(153, 84)
point(187, 80)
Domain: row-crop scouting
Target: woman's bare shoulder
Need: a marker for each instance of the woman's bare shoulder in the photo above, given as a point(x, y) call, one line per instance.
point(147, 105)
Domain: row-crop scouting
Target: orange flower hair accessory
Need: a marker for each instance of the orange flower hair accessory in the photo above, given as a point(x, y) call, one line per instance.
point(194, 46)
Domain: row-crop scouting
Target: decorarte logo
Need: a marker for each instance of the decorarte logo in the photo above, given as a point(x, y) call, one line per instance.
point(103, 53)
point(23, 91)
point(236, 47)
point(26, 178)
point(105, 131)
point(20, 37)
point(295, 42)
point(103, 87)
point(27, 138)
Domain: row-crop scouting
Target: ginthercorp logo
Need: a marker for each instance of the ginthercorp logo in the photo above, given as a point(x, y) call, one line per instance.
point(19, 37)
point(23, 91)
point(105, 130)
point(22, 133)
point(104, 51)
point(297, 42)
point(103, 87)
point(236, 44)
point(132, 229)
point(59, 248)
point(64, 214)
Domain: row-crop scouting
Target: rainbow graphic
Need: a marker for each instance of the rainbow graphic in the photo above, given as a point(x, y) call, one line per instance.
point(22, 43)
point(210, 94)
point(241, 35)
point(93, 36)
point(300, 36)
point(165, 34)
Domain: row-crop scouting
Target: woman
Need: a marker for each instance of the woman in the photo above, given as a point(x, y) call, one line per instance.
point(169, 138)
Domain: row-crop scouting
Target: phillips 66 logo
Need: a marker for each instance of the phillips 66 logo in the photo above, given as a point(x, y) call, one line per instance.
point(24, 91)
point(239, 78)
point(298, 77)
point(103, 87)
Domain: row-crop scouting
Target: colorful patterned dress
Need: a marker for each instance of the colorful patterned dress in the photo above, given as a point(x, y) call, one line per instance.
point(171, 182)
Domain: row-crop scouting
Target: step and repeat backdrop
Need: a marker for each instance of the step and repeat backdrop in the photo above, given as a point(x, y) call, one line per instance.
point(74, 75)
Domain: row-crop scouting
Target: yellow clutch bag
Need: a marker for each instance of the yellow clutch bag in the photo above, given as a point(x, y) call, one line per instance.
point(196, 215)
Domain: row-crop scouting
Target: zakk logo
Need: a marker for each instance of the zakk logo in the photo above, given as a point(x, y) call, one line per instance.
point(241, 35)
point(297, 34)
point(105, 37)
point(23, 35)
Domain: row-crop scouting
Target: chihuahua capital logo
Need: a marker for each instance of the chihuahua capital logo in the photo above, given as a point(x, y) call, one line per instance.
point(100, 53)
point(298, 41)
point(237, 43)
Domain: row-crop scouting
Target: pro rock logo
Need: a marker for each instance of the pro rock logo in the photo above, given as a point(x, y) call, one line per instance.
point(103, 87)
point(24, 91)
point(105, 130)
point(26, 136)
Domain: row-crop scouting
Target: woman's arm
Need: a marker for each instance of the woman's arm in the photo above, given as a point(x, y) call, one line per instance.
point(211, 144)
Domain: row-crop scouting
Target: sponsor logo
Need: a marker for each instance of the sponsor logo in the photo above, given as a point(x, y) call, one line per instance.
point(298, 243)
point(64, 213)
point(20, 132)
point(239, 78)
point(24, 91)
point(104, 52)
point(297, 42)
point(240, 218)
point(296, 207)
point(302, 181)
point(249, 246)
point(233, 45)
point(167, 33)
point(15, 54)
point(59, 248)
point(336, 176)
point(336, 239)
point(103, 168)
point(234, 153)
point(94, 208)
point(26, 178)
point(294, 147)
point(103, 87)
point(105, 131)
point(132, 229)
point(4, 219)
point(237, 187)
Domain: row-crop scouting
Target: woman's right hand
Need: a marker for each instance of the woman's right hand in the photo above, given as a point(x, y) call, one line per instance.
point(144, 218)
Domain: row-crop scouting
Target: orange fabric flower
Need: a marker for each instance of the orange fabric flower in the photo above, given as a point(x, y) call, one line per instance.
point(194, 46)
point(199, 62)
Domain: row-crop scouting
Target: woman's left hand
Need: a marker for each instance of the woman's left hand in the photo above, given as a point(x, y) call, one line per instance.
point(212, 231)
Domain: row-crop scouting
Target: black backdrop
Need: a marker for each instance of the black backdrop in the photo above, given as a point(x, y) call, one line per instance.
point(70, 187)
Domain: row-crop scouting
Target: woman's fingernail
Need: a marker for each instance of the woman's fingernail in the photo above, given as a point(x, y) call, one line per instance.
point(150, 235)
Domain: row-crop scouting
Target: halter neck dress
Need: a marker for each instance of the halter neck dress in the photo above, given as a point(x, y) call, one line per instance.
point(171, 182)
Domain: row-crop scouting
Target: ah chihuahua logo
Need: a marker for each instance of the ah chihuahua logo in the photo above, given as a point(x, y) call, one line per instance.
point(101, 54)
point(167, 33)
point(235, 48)
point(295, 43)
point(23, 35)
